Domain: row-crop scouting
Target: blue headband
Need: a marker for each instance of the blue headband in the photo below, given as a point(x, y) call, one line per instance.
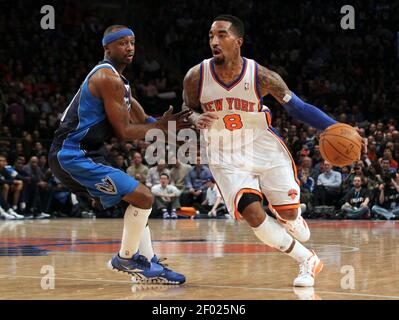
point(116, 35)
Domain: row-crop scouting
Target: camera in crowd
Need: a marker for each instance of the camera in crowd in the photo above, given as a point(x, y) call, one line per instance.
point(387, 178)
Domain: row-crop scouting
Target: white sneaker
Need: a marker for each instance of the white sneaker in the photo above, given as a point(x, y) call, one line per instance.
point(308, 271)
point(173, 215)
point(16, 215)
point(6, 215)
point(166, 215)
point(43, 216)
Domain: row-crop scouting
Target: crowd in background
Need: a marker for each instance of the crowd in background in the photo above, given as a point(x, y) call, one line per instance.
point(350, 74)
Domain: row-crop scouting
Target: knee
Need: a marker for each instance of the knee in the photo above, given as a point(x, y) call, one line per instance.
point(288, 214)
point(6, 187)
point(251, 209)
point(19, 185)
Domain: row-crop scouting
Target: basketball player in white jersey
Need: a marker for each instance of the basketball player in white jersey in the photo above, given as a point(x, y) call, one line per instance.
point(226, 94)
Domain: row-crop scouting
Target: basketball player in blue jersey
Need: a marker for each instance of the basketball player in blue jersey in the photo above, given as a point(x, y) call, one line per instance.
point(226, 93)
point(104, 107)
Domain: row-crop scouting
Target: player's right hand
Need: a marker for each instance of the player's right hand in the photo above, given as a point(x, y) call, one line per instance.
point(181, 119)
point(205, 120)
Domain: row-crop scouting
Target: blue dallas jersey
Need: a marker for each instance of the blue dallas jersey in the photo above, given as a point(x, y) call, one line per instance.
point(84, 123)
point(77, 155)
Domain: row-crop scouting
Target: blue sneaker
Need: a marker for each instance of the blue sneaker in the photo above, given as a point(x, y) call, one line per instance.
point(138, 266)
point(167, 276)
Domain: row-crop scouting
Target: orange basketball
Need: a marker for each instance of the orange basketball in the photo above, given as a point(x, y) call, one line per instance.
point(340, 144)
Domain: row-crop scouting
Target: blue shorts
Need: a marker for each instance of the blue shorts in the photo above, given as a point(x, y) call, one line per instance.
point(90, 176)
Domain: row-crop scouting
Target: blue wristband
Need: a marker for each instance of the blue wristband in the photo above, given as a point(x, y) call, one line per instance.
point(150, 120)
point(307, 113)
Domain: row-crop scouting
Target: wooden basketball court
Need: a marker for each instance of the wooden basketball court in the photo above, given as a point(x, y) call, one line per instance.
point(222, 259)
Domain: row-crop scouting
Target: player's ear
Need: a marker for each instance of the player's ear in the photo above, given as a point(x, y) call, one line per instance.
point(239, 42)
point(106, 49)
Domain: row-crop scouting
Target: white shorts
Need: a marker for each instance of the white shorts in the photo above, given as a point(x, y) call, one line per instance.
point(272, 173)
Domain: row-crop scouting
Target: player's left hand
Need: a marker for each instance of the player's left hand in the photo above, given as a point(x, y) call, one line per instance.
point(181, 119)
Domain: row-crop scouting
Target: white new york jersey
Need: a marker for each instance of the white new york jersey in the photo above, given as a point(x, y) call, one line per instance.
point(239, 108)
point(244, 153)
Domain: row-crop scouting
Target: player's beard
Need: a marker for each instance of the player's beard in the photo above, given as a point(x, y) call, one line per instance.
point(219, 61)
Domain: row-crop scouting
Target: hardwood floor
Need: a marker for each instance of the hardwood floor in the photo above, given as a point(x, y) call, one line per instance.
point(222, 259)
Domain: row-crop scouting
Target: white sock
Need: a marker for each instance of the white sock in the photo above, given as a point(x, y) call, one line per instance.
point(270, 232)
point(145, 246)
point(135, 221)
point(299, 252)
point(14, 208)
point(273, 234)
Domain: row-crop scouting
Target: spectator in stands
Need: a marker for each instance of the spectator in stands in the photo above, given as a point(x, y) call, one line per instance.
point(120, 162)
point(38, 189)
point(372, 149)
point(348, 182)
point(307, 163)
point(317, 162)
point(195, 185)
point(38, 150)
point(393, 165)
point(137, 169)
point(213, 204)
point(18, 167)
point(386, 170)
point(356, 201)
point(15, 152)
point(154, 173)
point(166, 197)
point(307, 187)
point(387, 206)
point(16, 189)
point(43, 165)
point(178, 173)
point(328, 187)
point(8, 184)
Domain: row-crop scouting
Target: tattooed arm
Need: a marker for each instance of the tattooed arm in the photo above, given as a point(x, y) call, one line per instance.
point(191, 84)
point(191, 100)
point(271, 83)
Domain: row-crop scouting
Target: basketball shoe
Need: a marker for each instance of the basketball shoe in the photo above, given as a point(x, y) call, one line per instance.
point(308, 270)
point(167, 276)
point(138, 265)
point(5, 215)
point(16, 215)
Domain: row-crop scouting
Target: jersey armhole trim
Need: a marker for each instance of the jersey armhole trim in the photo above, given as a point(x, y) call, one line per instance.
point(257, 89)
point(201, 81)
